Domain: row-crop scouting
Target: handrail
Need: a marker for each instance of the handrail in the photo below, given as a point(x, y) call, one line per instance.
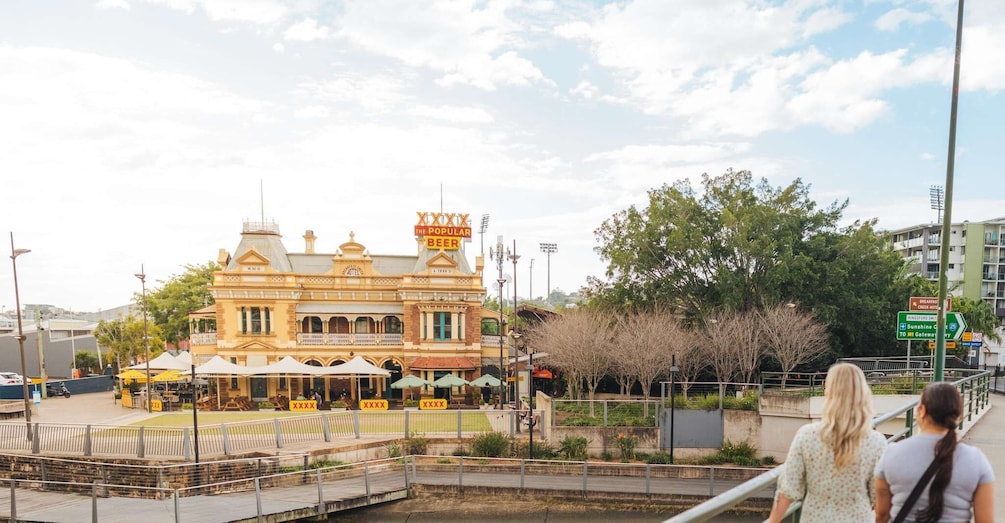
point(732, 497)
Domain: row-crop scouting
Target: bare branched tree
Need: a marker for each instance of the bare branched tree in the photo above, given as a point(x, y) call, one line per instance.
point(690, 358)
point(749, 348)
point(719, 348)
point(793, 337)
point(646, 341)
point(580, 344)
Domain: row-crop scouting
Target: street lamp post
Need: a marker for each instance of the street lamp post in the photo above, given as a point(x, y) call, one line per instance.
point(481, 231)
point(548, 249)
point(673, 402)
point(146, 339)
point(14, 253)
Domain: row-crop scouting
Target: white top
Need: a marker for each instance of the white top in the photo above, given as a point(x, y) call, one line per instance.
point(829, 494)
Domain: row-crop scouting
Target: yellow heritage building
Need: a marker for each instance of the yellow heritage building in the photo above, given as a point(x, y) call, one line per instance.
point(410, 314)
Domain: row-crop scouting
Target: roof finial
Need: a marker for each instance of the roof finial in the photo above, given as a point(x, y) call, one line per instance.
point(352, 236)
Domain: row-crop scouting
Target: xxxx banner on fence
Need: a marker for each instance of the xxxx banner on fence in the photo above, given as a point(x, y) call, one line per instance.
point(373, 404)
point(433, 404)
point(303, 405)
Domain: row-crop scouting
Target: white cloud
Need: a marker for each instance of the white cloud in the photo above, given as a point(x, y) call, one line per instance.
point(314, 111)
point(824, 21)
point(279, 48)
point(585, 89)
point(660, 155)
point(306, 31)
point(112, 4)
point(891, 20)
point(375, 92)
point(468, 43)
point(927, 156)
point(453, 114)
point(259, 12)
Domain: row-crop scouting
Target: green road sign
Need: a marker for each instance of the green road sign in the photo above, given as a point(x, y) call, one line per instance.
point(921, 325)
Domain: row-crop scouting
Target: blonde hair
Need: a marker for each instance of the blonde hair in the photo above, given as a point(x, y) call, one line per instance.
point(847, 415)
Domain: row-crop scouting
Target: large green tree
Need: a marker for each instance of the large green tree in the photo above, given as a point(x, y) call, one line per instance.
point(123, 337)
point(744, 245)
point(726, 247)
point(170, 304)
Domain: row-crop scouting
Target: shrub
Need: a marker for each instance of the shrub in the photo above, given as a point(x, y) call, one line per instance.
point(606, 456)
point(627, 445)
point(444, 461)
point(338, 404)
point(543, 450)
point(324, 464)
point(186, 406)
point(393, 450)
point(742, 454)
point(410, 403)
point(490, 444)
point(461, 451)
point(416, 445)
point(574, 448)
point(768, 460)
point(660, 458)
point(583, 421)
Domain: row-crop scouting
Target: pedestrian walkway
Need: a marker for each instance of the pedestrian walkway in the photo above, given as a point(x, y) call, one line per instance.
point(987, 434)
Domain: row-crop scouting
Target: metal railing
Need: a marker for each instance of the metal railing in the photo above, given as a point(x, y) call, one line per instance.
point(228, 439)
point(974, 387)
point(313, 486)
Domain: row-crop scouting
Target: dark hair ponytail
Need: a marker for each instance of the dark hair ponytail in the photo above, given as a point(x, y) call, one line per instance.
point(943, 406)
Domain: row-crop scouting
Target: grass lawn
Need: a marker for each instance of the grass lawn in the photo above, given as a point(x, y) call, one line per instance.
point(392, 422)
point(184, 419)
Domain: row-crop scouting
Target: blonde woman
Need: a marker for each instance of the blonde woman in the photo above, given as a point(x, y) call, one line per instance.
point(831, 462)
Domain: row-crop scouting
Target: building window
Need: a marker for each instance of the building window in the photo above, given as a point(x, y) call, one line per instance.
point(282, 382)
point(256, 320)
point(353, 271)
point(441, 326)
point(392, 325)
point(258, 317)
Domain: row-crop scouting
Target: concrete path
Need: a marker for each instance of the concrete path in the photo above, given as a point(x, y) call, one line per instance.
point(989, 436)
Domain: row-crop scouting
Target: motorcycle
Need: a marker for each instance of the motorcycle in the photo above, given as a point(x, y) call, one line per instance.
point(57, 389)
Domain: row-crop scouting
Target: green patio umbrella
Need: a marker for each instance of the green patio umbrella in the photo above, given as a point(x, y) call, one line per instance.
point(449, 381)
point(410, 381)
point(485, 380)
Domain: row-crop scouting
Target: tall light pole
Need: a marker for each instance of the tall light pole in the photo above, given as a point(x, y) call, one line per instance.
point(548, 249)
point(531, 292)
point(498, 254)
point(530, 403)
point(14, 253)
point(673, 403)
point(41, 354)
point(481, 231)
point(513, 256)
point(947, 217)
point(146, 339)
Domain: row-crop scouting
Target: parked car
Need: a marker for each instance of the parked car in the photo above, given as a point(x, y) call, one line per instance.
point(11, 378)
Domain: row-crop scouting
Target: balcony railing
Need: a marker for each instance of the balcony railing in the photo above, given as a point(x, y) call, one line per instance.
point(327, 338)
point(202, 338)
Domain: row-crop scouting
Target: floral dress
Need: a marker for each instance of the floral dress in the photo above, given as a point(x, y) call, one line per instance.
point(831, 495)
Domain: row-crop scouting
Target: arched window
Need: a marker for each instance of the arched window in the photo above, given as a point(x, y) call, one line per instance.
point(392, 325)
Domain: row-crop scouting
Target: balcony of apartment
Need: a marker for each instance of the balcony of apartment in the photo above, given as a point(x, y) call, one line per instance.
point(202, 338)
point(934, 239)
point(908, 244)
point(349, 339)
point(932, 275)
point(991, 239)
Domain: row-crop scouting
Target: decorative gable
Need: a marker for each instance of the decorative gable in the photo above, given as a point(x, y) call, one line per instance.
point(254, 261)
point(352, 259)
point(441, 263)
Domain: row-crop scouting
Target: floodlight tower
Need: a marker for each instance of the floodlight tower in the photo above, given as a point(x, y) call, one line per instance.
point(548, 249)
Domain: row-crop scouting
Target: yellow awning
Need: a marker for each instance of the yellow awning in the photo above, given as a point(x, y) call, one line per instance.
point(132, 375)
point(168, 375)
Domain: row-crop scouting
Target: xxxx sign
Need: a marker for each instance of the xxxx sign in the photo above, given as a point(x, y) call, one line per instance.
point(303, 405)
point(433, 404)
point(372, 404)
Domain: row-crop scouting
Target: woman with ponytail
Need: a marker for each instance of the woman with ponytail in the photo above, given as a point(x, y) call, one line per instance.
point(963, 483)
point(830, 463)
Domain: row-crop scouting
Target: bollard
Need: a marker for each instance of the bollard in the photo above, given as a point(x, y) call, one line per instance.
point(258, 499)
point(140, 451)
point(460, 473)
point(87, 441)
point(322, 507)
point(584, 478)
point(279, 433)
point(711, 482)
point(649, 492)
point(226, 440)
point(459, 424)
point(366, 479)
point(94, 502)
point(326, 428)
point(13, 504)
point(523, 463)
point(177, 507)
point(355, 422)
point(186, 445)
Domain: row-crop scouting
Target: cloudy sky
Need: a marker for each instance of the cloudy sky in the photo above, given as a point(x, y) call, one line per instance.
point(140, 131)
